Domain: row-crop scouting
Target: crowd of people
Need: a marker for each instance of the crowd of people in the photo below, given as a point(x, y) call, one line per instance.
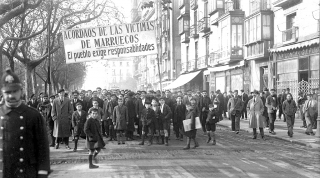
point(124, 115)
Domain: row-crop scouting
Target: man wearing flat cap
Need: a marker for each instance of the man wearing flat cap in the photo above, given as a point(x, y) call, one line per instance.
point(61, 115)
point(23, 136)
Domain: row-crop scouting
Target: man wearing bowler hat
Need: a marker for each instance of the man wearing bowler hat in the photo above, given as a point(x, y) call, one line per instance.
point(24, 148)
point(61, 115)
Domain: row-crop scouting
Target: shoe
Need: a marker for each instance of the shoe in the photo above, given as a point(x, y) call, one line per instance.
point(57, 146)
point(52, 145)
point(208, 139)
point(311, 133)
point(68, 148)
point(141, 143)
point(237, 132)
point(149, 144)
point(119, 143)
point(166, 144)
point(307, 133)
point(74, 150)
point(177, 138)
point(110, 139)
point(93, 166)
point(254, 137)
point(263, 138)
point(273, 133)
point(195, 145)
point(214, 142)
point(187, 147)
point(123, 143)
point(181, 139)
point(303, 126)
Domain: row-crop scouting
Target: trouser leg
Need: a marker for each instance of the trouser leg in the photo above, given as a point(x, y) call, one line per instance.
point(314, 122)
point(272, 118)
point(309, 124)
point(66, 141)
point(203, 122)
point(254, 133)
point(290, 123)
point(233, 122)
point(261, 132)
point(237, 123)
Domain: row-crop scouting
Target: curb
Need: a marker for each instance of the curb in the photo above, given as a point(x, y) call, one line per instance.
point(279, 138)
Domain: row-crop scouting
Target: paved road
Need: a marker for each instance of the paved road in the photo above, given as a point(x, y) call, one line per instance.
point(233, 156)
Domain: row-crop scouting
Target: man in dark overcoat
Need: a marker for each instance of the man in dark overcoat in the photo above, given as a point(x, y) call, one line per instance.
point(204, 102)
point(165, 116)
point(24, 142)
point(235, 106)
point(140, 105)
point(131, 114)
point(109, 114)
point(245, 99)
point(61, 115)
point(179, 114)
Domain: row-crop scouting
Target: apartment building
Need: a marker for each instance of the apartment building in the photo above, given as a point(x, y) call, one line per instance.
point(296, 45)
point(166, 64)
point(119, 71)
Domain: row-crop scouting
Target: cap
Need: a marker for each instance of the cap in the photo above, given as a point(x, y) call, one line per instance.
point(10, 81)
point(45, 95)
point(78, 104)
point(147, 102)
point(53, 96)
point(61, 90)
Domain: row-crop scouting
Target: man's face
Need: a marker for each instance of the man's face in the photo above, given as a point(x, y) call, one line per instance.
point(289, 97)
point(287, 91)
point(94, 114)
point(147, 106)
point(108, 97)
point(81, 96)
point(79, 107)
point(143, 95)
point(254, 94)
point(283, 91)
point(179, 99)
point(89, 93)
point(120, 102)
point(193, 102)
point(179, 93)
point(75, 96)
point(98, 90)
point(41, 95)
point(309, 97)
point(61, 94)
point(272, 92)
point(167, 93)
point(104, 92)
point(154, 103)
point(113, 98)
point(45, 99)
point(120, 97)
point(235, 94)
point(94, 94)
point(95, 104)
point(162, 101)
point(13, 97)
point(189, 93)
point(204, 94)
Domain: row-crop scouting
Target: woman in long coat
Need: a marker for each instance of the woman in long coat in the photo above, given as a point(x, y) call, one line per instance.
point(94, 139)
point(256, 119)
point(191, 135)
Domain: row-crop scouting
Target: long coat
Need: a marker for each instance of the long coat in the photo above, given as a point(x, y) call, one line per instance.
point(120, 117)
point(78, 122)
point(179, 113)
point(271, 103)
point(310, 108)
point(24, 142)
point(289, 109)
point(256, 109)
point(61, 115)
point(131, 114)
point(94, 139)
point(165, 116)
point(235, 106)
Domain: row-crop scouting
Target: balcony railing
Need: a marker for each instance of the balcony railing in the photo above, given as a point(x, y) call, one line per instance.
point(231, 5)
point(259, 5)
point(135, 15)
point(194, 4)
point(290, 35)
point(203, 25)
point(194, 31)
point(202, 62)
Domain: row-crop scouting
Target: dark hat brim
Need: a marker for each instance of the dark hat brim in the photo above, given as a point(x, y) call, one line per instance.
point(12, 87)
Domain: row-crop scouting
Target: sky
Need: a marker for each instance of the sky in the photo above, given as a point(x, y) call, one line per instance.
point(96, 72)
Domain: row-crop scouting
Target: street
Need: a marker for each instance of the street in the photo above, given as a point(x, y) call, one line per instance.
point(233, 156)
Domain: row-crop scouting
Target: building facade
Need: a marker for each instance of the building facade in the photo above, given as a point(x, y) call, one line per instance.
point(166, 64)
point(119, 71)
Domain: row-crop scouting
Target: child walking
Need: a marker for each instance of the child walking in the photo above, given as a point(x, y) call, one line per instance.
point(211, 121)
point(120, 120)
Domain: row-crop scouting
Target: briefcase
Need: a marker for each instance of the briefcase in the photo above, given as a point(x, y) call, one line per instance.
point(187, 124)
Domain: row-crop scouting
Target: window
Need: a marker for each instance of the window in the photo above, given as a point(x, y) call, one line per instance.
point(128, 64)
point(290, 20)
point(257, 28)
point(266, 26)
point(183, 25)
point(214, 5)
point(225, 35)
point(114, 64)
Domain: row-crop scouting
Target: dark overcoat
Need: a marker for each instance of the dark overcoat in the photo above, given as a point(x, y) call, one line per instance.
point(94, 139)
point(131, 114)
point(165, 116)
point(61, 115)
point(120, 117)
point(78, 122)
point(24, 142)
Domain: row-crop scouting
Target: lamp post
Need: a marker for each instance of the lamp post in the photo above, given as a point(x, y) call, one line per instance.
point(318, 119)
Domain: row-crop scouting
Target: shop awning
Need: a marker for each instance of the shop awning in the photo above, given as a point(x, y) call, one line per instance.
point(181, 80)
point(225, 67)
point(297, 45)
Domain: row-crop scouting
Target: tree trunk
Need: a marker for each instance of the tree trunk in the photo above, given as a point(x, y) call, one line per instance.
point(28, 82)
point(34, 82)
point(11, 63)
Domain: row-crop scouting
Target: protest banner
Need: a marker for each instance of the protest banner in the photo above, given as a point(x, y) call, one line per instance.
point(110, 42)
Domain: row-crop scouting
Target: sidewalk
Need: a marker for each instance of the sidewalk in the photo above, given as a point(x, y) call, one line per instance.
point(299, 136)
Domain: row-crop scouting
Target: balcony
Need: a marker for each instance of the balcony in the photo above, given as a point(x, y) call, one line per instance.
point(231, 5)
point(202, 62)
point(194, 4)
point(203, 25)
point(194, 32)
point(259, 5)
point(135, 15)
point(226, 56)
point(215, 6)
point(285, 3)
point(290, 35)
point(184, 38)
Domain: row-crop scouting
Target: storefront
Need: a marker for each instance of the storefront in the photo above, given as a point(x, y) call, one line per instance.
point(297, 67)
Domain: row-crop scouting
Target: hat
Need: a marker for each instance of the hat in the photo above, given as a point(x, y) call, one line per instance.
point(78, 104)
point(61, 90)
point(10, 81)
point(147, 102)
point(162, 98)
point(53, 96)
point(45, 95)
